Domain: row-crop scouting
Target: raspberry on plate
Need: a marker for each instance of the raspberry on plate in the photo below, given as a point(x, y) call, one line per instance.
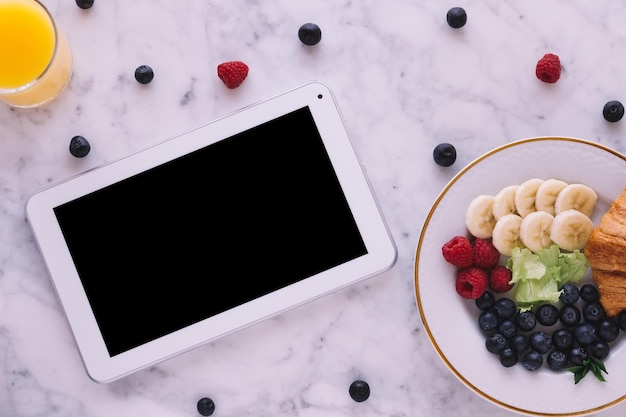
point(471, 282)
point(232, 73)
point(485, 255)
point(548, 68)
point(458, 252)
point(499, 279)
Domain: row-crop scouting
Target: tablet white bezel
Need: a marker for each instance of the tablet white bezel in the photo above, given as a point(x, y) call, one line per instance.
point(103, 368)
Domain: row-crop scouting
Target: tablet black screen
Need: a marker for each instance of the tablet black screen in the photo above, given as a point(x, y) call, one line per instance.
point(209, 231)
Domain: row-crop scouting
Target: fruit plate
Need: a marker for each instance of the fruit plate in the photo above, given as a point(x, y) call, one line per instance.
point(451, 321)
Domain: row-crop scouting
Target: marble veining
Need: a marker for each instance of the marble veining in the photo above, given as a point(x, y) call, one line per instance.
point(405, 81)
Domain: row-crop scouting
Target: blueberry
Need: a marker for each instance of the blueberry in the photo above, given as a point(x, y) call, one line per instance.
point(507, 328)
point(310, 34)
point(84, 4)
point(495, 343)
point(526, 321)
point(589, 293)
point(540, 342)
point(613, 111)
point(570, 294)
point(144, 74)
point(532, 360)
point(206, 406)
point(557, 360)
point(486, 301)
point(505, 308)
point(508, 357)
point(547, 315)
point(457, 17)
point(79, 146)
point(608, 330)
point(359, 391)
point(563, 339)
point(599, 349)
point(585, 333)
point(569, 315)
point(593, 313)
point(444, 154)
point(488, 321)
point(577, 355)
point(519, 343)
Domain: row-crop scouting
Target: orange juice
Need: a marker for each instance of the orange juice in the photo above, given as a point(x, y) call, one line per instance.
point(35, 57)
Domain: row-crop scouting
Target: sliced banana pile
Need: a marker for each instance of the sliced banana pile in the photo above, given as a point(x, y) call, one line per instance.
point(534, 214)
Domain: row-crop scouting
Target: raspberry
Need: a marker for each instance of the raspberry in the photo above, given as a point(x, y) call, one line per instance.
point(232, 73)
point(485, 254)
point(499, 279)
point(458, 251)
point(471, 282)
point(549, 68)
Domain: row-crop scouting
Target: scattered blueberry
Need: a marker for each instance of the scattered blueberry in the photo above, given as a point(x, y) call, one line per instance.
point(457, 17)
point(444, 154)
point(206, 406)
point(144, 74)
point(613, 111)
point(359, 391)
point(79, 146)
point(589, 293)
point(84, 4)
point(310, 34)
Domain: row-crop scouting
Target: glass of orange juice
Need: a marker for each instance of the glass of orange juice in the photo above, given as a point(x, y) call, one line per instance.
point(35, 56)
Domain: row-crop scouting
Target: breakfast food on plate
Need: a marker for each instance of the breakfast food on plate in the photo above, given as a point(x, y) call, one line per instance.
point(534, 214)
point(606, 253)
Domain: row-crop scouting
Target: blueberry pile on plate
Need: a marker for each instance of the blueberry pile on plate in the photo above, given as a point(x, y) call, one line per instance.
point(575, 334)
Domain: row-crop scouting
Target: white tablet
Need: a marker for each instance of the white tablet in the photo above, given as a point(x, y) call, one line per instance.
point(210, 231)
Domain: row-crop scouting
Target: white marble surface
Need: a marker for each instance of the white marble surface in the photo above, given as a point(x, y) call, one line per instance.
point(405, 82)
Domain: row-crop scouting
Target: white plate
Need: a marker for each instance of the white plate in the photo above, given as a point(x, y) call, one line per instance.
point(451, 322)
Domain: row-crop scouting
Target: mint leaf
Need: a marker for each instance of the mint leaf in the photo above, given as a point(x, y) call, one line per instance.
point(596, 366)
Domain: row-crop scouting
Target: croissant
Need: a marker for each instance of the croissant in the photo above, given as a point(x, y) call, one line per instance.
point(606, 253)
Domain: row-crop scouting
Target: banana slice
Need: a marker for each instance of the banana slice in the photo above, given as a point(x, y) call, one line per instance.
point(525, 196)
point(547, 194)
point(504, 202)
point(479, 218)
point(578, 197)
point(535, 229)
point(505, 234)
point(571, 229)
